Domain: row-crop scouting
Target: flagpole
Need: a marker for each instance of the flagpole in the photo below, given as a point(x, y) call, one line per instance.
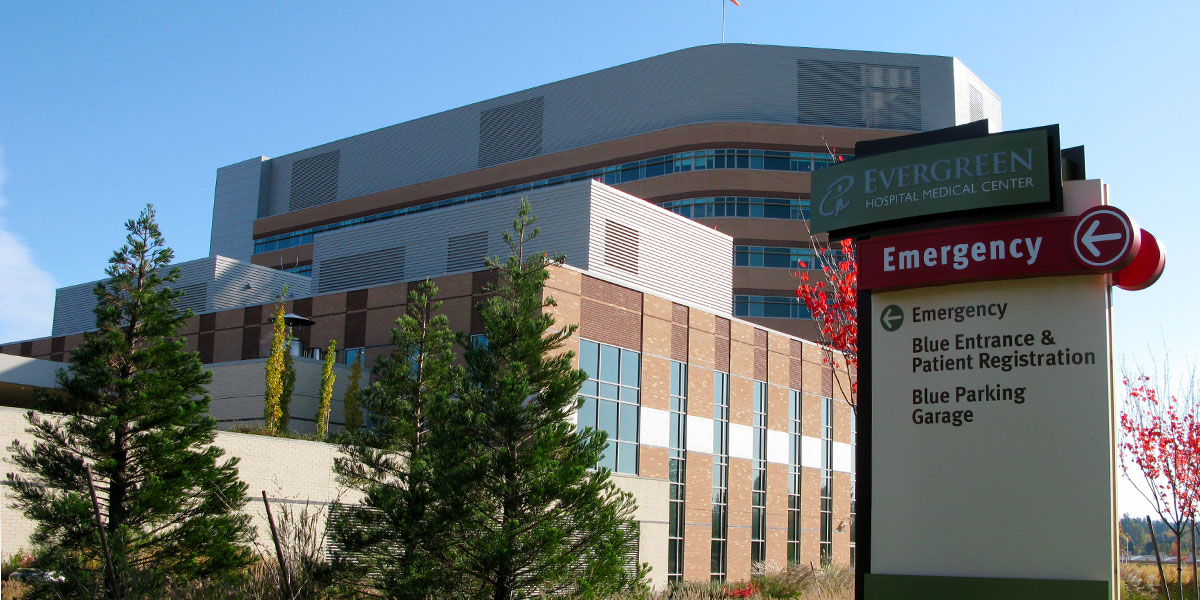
point(722, 21)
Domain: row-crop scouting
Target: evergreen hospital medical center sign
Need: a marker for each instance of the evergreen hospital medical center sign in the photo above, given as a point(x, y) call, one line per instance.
point(1010, 169)
point(986, 463)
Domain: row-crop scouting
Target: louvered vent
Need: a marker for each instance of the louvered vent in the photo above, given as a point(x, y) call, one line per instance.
point(314, 180)
point(977, 111)
point(847, 94)
point(466, 252)
point(194, 296)
point(510, 132)
point(361, 270)
point(621, 247)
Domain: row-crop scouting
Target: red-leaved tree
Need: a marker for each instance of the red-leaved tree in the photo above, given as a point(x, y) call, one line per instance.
point(1160, 436)
point(833, 303)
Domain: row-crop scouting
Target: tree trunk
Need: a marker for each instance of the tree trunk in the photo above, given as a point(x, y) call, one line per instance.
point(1195, 581)
point(1158, 559)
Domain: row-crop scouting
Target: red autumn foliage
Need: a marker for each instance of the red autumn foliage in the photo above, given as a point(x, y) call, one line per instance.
point(834, 306)
point(747, 591)
point(1160, 435)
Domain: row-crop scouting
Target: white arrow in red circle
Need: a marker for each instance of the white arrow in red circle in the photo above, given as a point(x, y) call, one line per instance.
point(1105, 239)
point(1090, 238)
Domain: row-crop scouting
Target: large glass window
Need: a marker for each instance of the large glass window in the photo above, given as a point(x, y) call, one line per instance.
point(758, 494)
point(676, 470)
point(720, 495)
point(794, 446)
point(773, 257)
point(775, 307)
point(682, 162)
point(826, 480)
point(610, 401)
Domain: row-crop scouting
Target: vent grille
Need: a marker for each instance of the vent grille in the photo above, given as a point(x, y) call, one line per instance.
point(511, 132)
point(977, 111)
point(466, 252)
point(314, 180)
point(621, 247)
point(847, 94)
point(359, 270)
point(195, 297)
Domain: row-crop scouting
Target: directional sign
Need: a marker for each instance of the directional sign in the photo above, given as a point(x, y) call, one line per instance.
point(892, 317)
point(1013, 249)
point(1106, 239)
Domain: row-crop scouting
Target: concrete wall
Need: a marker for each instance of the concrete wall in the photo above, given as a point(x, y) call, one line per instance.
point(238, 388)
point(297, 474)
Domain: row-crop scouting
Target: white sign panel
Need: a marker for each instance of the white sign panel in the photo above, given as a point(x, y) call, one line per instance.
point(991, 430)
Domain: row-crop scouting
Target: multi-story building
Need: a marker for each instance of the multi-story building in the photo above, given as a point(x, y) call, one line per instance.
point(721, 415)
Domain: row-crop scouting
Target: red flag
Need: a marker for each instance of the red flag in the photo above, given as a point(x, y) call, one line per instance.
point(736, 3)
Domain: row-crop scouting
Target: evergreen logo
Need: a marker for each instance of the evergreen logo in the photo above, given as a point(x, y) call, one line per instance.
point(836, 193)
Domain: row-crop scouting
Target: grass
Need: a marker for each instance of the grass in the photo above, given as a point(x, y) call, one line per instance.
point(1143, 583)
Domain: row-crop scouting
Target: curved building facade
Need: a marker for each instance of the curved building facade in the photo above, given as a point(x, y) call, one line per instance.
point(725, 134)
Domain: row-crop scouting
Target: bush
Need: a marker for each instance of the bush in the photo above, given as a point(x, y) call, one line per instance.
point(17, 560)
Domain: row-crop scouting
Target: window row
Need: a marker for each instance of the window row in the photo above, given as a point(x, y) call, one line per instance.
point(774, 307)
point(680, 162)
point(780, 257)
point(740, 206)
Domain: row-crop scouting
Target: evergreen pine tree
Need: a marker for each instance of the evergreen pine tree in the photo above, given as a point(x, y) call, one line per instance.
point(327, 379)
point(400, 529)
point(137, 414)
point(536, 516)
point(354, 416)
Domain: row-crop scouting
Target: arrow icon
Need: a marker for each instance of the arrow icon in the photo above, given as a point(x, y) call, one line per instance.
point(1089, 238)
point(892, 317)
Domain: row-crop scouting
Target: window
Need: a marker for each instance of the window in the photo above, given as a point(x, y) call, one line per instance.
point(773, 307)
point(758, 494)
point(682, 162)
point(826, 480)
point(350, 355)
point(740, 206)
point(479, 340)
point(773, 257)
point(720, 494)
point(794, 446)
point(611, 401)
point(676, 470)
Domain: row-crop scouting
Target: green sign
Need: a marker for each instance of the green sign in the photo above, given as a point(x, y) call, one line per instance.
point(1006, 169)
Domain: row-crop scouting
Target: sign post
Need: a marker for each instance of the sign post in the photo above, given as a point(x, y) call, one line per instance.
point(986, 455)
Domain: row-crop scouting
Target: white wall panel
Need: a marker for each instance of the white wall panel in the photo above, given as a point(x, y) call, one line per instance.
point(655, 428)
point(841, 457)
point(777, 446)
point(741, 441)
point(700, 437)
point(810, 452)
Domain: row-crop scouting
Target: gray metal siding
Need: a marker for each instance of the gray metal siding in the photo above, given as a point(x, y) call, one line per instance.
point(427, 238)
point(731, 82)
point(677, 258)
point(238, 200)
point(236, 283)
point(209, 284)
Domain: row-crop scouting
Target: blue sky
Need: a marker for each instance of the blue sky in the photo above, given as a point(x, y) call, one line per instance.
point(107, 106)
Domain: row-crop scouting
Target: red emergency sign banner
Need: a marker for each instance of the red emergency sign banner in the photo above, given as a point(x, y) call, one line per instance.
point(1007, 250)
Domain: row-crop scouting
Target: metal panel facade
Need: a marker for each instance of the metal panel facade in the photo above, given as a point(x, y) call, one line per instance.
point(730, 82)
